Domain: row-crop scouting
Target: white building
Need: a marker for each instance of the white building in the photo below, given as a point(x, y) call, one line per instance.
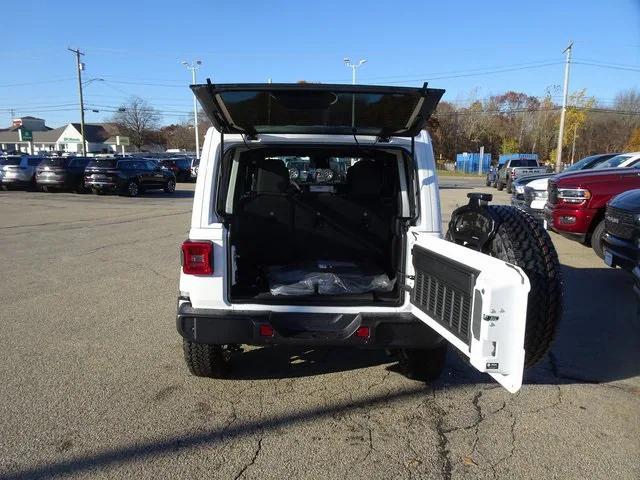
point(99, 138)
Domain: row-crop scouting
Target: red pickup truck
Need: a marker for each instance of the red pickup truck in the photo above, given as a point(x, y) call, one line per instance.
point(577, 201)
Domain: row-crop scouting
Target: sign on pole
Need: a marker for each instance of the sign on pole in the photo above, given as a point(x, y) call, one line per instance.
point(25, 135)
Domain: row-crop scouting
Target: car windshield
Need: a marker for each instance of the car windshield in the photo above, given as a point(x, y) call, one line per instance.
point(10, 161)
point(579, 165)
point(614, 162)
point(102, 163)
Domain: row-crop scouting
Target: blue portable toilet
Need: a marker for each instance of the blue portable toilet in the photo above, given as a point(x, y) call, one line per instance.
point(470, 162)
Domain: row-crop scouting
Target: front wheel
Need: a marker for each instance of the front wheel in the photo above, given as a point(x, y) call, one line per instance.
point(133, 189)
point(596, 239)
point(500, 186)
point(423, 364)
point(204, 360)
point(509, 186)
point(170, 186)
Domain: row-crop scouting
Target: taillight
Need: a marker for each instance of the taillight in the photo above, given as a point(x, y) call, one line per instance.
point(513, 174)
point(197, 257)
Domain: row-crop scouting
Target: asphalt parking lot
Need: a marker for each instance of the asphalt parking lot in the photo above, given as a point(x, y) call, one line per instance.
point(94, 384)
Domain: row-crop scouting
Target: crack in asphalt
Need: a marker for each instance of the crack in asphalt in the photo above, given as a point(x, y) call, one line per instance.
point(494, 466)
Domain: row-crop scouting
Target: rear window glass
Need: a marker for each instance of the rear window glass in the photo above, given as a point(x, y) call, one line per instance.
point(10, 161)
point(79, 162)
point(55, 162)
point(524, 163)
point(103, 163)
point(371, 113)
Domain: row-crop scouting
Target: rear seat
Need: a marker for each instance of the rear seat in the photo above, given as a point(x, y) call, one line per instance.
point(265, 223)
point(350, 226)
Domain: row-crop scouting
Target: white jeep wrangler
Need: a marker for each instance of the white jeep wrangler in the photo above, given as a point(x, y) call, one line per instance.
point(316, 222)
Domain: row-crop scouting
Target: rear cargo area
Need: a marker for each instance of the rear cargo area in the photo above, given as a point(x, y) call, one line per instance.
point(315, 226)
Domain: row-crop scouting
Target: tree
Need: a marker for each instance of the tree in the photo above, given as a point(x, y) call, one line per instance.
point(137, 120)
point(633, 144)
point(509, 145)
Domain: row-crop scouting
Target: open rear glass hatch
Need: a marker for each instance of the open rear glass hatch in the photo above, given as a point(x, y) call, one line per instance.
point(309, 108)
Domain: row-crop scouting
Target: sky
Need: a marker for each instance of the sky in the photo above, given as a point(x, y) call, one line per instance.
point(470, 48)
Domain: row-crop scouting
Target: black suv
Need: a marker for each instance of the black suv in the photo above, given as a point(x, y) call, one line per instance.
point(181, 167)
point(62, 173)
point(129, 177)
point(622, 233)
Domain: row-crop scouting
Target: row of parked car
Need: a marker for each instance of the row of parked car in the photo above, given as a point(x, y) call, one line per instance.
point(596, 202)
point(124, 175)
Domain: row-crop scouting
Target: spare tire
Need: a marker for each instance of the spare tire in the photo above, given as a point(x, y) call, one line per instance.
point(520, 240)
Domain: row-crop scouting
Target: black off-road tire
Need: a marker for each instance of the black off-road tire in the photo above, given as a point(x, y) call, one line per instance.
point(422, 364)
point(509, 188)
point(488, 182)
point(205, 360)
point(500, 186)
point(522, 241)
point(596, 239)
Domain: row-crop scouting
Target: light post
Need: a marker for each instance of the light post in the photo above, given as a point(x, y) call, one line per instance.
point(193, 67)
point(353, 67)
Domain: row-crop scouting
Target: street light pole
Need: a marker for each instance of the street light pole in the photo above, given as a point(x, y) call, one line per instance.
point(80, 67)
point(353, 67)
point(565, 94)
point(193, 67)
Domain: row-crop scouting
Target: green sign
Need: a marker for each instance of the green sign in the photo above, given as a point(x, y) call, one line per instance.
point(72, 140)
point(25, 135)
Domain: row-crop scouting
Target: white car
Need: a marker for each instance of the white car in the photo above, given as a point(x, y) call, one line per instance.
point(352, 254)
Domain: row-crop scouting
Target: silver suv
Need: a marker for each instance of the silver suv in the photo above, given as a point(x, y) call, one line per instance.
point(18, 171)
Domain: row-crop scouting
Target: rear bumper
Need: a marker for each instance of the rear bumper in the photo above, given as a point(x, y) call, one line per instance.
point(247, 327)
point(625, 254)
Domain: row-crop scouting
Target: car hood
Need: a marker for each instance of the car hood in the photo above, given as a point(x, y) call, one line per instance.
point(594, 175)
point(540, 183)
point(628, 201)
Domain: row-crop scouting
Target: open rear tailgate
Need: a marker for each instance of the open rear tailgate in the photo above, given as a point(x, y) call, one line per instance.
point(307, 108)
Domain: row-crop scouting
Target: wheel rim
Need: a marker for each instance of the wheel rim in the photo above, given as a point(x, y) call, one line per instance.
point(171, 186)
point(133, 189)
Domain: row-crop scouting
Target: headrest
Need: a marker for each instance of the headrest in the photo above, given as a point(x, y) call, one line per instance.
point(273, 177)
point(364, 179)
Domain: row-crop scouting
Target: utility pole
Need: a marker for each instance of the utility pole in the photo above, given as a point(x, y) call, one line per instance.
point(565, 94)
point(573, 146)
point(80, 68)
point(193, 67)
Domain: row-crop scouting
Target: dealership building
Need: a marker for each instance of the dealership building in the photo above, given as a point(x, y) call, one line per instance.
point(31, 135)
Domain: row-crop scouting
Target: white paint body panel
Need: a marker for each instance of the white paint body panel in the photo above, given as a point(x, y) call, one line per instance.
point(505, 286)
point(504, 289)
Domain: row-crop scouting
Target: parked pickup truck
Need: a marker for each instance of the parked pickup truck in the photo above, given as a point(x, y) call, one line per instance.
point(577, 202)
point(517, 168)
point(622, 237)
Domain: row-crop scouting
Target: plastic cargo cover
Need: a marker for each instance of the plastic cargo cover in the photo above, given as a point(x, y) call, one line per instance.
point(327, 278)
